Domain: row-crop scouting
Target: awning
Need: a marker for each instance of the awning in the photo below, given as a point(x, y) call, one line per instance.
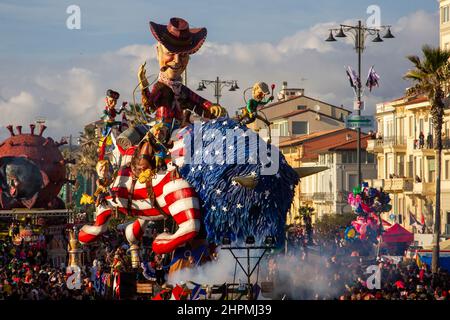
point(308, 171)
point(396, 234)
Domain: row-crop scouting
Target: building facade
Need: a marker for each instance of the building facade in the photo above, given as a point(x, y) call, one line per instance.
point(444, 24)
point(331, 158)
point(295, 114)
point(405, 154)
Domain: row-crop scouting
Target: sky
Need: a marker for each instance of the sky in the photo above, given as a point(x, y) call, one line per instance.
point(59, 74)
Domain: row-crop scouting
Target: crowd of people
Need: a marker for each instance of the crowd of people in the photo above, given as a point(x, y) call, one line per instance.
point(340, 272)
point(26, 272)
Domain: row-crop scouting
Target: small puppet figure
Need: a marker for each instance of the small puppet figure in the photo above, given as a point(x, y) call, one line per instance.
point(110, 112)
point(160, 142)
point(103, 182)
point(250, 112)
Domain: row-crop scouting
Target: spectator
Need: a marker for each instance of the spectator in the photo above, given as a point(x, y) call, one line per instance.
point(430, 141)
point(421, 140)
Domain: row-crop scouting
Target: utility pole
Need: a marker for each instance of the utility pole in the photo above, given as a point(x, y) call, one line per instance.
point(218, 86)
point(359, 33)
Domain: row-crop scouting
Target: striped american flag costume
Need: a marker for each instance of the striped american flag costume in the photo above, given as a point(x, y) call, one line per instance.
point(174, 196)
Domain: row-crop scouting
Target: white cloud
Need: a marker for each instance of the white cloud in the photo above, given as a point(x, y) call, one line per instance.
point(71, 93)
point(17, 108)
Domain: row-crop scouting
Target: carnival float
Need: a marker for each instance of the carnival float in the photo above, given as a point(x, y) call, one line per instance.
point(214, 177)
point(32, 173)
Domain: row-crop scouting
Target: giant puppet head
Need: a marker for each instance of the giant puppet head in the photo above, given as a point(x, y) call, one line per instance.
point(21, 177)
point(176, 41)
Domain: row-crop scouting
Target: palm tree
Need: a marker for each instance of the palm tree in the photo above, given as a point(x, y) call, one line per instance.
point(87, 155)
point(429, 77)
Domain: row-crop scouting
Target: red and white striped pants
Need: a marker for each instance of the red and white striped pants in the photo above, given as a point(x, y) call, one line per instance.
point(174, 196)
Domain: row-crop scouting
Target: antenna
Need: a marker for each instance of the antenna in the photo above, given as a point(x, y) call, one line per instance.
point(40, 121)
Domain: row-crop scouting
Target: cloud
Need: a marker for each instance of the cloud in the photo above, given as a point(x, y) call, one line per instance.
point(70, 93)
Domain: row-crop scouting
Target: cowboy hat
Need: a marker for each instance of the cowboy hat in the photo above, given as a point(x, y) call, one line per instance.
point(112, 94)
point(177, 37)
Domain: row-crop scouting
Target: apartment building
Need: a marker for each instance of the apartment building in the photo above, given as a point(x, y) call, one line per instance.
point(296, 114)
point(404, 148)
point(444, 24)
point(330, 158)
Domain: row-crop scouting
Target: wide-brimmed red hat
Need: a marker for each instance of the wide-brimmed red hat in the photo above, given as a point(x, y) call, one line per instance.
point(177, 37)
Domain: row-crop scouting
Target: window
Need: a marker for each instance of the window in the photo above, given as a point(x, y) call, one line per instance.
point(299, 127)
point(431, 169)
point(352, 181)
point(401, 165)
point(421, 126)
point(301, 107)
point(430, 127)
point(349, 157)
point(410, 167)
point(283, 127)
point(447, 169)
point(445, 14)
point(411, 126)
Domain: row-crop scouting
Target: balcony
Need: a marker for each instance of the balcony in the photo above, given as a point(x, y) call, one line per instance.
point(375, 183)
point(398, 184)
point(446, 145)
point(396, 143)
point(375, 146)
point(306, 197)
point(325, 197)
point(424, 188)
point(447, 229)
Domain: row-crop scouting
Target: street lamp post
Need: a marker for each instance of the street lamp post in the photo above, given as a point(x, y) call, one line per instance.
point(218, 86)
point(359, 33)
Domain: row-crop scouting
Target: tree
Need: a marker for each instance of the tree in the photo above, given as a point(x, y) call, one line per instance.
point(429, 77)
point(87, 155)
point(330, 224)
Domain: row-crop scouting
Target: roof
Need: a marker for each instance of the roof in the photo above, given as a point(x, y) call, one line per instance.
point(303, 96)
point(297, 112)
point(339, 146)
point(416, 100)
point(299, 140)
point(350, 145)
point(314, 144)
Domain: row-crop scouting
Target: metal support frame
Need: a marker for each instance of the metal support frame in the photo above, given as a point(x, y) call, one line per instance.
point(248, 271)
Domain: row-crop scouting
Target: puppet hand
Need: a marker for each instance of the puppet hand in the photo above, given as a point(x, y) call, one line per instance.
point(143, 82)
point(86, 199)
point(217, 111)
point(124, 104)
point(145, 176)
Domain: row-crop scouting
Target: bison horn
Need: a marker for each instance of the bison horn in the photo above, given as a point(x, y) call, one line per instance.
point(246, 181)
